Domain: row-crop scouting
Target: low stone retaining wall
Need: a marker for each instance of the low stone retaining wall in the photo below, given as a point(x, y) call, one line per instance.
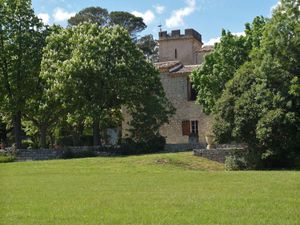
point(50, 154)
point(40, 154)
point(182, 147)
point(218, 154)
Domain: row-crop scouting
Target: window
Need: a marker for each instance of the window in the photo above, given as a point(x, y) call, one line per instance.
point(192, 92)
point(189, 127)
point(194, 127)
point(175, 53)
point(186, 127)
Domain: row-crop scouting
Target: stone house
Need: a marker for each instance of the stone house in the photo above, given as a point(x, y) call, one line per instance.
point(179, 54)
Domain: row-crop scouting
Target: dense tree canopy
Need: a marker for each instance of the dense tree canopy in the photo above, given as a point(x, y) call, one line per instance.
point(21, 42)
point(219, 66)
point(131, 23)
point(96, 15)
point(102, 17)
point(149, 47)
point(261, 104)
point(97, 70)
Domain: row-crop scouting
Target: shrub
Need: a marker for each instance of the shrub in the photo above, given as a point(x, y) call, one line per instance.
point(65, 141)
point(234, 162)
point(70, 154)
point(86, 140)
point(131, 147)
point(28, 144)
point(5, 158)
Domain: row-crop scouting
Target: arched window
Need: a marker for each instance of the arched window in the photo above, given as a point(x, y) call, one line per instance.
point(175, 53)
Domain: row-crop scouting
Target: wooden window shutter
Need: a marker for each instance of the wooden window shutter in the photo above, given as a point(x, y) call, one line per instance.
point(186, 127)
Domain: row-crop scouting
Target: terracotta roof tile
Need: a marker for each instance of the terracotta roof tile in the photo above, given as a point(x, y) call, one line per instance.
point(185, 69)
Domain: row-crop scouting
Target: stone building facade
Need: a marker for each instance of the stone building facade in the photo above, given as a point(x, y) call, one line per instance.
point(179, 55)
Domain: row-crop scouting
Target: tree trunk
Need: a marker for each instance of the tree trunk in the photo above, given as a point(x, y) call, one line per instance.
point(17, 129)
point(43, 137)
point(96, 133)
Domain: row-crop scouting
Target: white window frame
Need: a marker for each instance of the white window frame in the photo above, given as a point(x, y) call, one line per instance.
point(194, 127)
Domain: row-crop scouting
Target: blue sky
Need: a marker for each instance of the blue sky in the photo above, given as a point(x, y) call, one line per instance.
point(206, 16)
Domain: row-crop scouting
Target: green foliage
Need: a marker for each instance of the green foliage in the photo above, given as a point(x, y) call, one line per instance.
point(105, 70)
point(6, 158)
point(96, 15)
point(220, 66)
point(3, 132)
point(28, 144)
point(128, 21)
point(233, 163)
point(102, 18)
point(149, 47)
point(71, 154)
point(21, 43)
point(260, 105)
point(132, 147)
point(150, 111)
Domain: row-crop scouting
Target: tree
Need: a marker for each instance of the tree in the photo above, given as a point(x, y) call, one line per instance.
point(220, 66)
point(3, 132)
point(96, 15)
point(101, 70)
point(21, 42)
point(101, 17)
point(261, 105)
point(43, 109)
point(149, 47)
point(128, 21)
point(151, 113)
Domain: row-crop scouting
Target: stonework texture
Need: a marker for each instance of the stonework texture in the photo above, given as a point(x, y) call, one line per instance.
point(218, 155)
point(176, 89)
point(179, 54)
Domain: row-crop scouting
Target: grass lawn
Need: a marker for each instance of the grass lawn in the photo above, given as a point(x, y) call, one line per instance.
point(152, 189)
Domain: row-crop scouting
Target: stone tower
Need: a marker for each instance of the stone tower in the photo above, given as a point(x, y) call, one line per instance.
point(180, 47)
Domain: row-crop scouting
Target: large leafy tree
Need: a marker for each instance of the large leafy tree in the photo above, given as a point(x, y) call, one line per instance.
point(43, 110)
point(3, 132)
point(261, 104)
point(100, 70)
point(21, 41)
point(131, 23)
point(220, 66)
point(149, 47)
point(96, 15)
point(102, 17)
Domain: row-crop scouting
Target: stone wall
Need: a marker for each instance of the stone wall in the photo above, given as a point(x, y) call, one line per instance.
point(186, 46)
point(176, 91)
point(50, 154)
point(182, 147)
point(38, 154)
point(219, 154)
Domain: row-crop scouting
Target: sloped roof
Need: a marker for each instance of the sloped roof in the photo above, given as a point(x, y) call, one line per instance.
point(185, 69)
point(174, 67)
point(166, 66)
point(206, 48)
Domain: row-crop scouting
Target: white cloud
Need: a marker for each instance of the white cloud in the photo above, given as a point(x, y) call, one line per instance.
point(147, 16)
point(44, 17)
point(159, 9)
point(177, 17)
point(212, 41)
point(60, 15)
point(239, 33)
point(274, 7)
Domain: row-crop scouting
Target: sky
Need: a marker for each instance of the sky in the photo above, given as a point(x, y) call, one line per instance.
point(208, 17)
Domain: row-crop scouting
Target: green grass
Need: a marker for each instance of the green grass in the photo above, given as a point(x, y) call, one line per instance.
point(154, 189)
